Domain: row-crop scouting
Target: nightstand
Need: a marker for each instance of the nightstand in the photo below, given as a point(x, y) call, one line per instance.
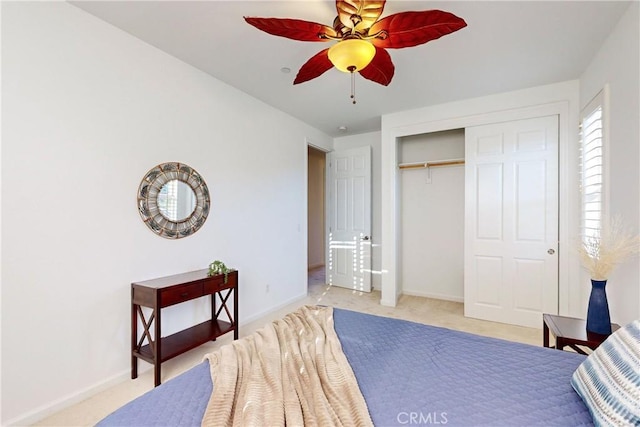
point(571, 332)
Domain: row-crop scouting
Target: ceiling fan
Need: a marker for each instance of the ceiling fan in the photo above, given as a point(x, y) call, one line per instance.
point(361, 38)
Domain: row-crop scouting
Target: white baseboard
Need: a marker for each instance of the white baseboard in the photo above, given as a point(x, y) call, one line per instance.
point(58, 405)
point(434, 296)
point(388, 303)
point(274, 309)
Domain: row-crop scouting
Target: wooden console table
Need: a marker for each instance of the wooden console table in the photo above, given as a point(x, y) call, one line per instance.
point(166, 291)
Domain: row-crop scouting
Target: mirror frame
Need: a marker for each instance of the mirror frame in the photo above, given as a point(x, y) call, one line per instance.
point(151, 185)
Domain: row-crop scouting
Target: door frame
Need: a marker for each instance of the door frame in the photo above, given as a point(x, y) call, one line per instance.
point(324, 211)
point(515, 106)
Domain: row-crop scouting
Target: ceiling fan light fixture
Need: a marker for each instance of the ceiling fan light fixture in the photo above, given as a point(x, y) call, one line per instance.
point(362, 37)
point(351, 55)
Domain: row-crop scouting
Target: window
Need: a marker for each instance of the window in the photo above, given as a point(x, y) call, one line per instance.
point(592, 166)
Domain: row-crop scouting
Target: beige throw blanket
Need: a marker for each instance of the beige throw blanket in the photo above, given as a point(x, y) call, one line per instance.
point(292, 372)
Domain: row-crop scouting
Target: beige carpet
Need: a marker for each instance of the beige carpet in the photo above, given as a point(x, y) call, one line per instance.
point(423, 310)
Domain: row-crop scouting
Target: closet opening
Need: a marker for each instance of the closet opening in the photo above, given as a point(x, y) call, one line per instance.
point(432, 210)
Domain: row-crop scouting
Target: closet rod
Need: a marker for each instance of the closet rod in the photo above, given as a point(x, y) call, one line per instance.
point(430, 164)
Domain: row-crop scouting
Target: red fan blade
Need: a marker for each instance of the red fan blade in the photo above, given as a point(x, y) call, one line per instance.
point(408, 29)
point(295, 29)
point(368, 10)
point(381, 69)
point(315, 67)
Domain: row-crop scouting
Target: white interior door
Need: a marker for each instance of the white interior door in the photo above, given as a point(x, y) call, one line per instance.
point(511, 221)
point(349, 219)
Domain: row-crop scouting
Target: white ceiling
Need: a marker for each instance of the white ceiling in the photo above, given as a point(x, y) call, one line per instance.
point(506, 45)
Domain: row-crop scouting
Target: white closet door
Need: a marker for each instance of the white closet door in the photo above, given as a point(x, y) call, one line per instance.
point(511, 220)
point(349, 257)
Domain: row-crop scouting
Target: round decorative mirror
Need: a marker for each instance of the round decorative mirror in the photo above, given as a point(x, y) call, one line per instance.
point(173, 200)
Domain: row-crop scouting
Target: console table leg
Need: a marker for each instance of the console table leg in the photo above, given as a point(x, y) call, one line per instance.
point(236, 323)
point(157, 359)
point(545, 334)
point(134, 338)
point(213, 309)
point(156, 374)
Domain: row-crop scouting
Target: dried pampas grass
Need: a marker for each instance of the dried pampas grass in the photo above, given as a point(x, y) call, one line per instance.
point(602, 253)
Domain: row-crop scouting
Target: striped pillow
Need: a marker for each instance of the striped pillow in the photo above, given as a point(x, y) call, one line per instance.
point(608, 381)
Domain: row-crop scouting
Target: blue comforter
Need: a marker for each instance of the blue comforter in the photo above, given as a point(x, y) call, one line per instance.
point(411, 374)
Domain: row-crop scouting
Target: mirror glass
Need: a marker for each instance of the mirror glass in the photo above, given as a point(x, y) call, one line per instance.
point(176, 200)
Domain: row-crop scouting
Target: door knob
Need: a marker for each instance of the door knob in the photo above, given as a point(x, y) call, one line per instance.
point(364, 238)
point(551, 252)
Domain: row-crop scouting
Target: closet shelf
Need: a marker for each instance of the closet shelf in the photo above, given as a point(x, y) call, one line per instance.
point(435, 163)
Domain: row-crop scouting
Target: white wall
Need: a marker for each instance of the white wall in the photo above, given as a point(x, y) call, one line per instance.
point(432, 216)
point(371, 139)
point(87, 109)
point(617, 64)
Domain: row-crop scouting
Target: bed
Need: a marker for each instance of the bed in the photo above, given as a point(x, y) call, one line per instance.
point(411, 374)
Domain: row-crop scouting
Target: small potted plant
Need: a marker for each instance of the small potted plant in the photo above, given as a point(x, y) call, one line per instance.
point(600, 254)
point(218, 267)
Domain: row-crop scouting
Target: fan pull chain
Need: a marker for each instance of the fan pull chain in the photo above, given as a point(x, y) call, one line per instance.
point(353, 84)
point(352, 70)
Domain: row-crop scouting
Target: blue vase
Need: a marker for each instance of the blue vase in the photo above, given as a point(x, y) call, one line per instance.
point(598, 319)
